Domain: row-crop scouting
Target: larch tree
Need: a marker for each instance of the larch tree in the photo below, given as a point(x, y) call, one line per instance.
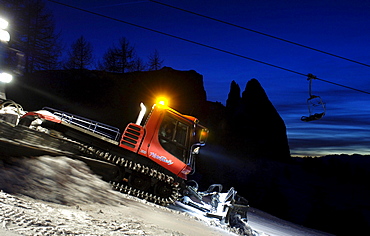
point(33, 33)
point(120, 58)
point(139, 65)
point(155, 62)
point(80, 56)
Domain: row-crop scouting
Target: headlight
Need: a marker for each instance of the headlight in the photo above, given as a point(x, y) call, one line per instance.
point(5, 77)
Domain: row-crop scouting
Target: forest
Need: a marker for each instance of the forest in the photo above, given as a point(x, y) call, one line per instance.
point(35, 45)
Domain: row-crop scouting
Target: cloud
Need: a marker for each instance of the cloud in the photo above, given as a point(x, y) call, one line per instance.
point(329, 138)
point(345, 128)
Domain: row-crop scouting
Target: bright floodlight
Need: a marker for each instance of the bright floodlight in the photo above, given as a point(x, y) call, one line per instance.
point(5, 77)
point(4, 35)
point(3, 23)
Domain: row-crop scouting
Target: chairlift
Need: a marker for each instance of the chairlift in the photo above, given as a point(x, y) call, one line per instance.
point(314, 104)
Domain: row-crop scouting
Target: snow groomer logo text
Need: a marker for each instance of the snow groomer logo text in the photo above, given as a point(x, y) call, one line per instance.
point(161, 158)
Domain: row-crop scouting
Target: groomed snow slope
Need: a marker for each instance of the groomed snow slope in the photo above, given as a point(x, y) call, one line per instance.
point(60, 196)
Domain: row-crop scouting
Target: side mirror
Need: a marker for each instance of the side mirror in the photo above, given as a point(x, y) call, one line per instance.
point(203, 135)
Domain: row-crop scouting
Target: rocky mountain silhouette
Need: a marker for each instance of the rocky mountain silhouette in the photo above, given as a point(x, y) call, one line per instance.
point(256, 127)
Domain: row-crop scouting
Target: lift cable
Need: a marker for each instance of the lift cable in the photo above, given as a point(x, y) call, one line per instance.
point(201, 44)
point(261, 33)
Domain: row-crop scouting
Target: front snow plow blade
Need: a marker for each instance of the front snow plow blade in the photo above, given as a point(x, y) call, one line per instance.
point(237, 209)
point(228, 207)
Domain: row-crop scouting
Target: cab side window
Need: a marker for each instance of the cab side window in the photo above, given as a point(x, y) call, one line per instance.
point(181, 134)
point(173, 135)
point(167, 129)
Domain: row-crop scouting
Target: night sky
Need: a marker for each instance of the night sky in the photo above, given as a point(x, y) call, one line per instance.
point(335, 26)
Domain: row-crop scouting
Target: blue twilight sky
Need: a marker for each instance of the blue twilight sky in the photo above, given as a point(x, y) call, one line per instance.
point(340, 27)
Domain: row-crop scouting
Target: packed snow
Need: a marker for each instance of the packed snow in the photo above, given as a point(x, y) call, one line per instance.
point(61, 196)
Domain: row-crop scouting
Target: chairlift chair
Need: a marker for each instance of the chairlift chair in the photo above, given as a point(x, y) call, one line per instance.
point(314, 103)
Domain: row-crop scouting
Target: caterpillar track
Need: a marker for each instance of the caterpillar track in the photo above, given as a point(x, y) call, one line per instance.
point(167, 191)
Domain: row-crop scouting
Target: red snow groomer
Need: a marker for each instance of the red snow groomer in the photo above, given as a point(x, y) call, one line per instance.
point(150, 160)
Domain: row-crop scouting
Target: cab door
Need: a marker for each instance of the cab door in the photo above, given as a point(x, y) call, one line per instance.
point(169, 145)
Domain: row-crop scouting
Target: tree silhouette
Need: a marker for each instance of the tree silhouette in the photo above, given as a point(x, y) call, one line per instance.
point(80, 56)
point(120, 58)
point(33, 33)
point(155, 62)
point(139, 65)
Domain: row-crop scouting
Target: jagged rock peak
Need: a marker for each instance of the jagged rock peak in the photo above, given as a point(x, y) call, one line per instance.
point(261, 130)
point(233, 98)
point(253, 90)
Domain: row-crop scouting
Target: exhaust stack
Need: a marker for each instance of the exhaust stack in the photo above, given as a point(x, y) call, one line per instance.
point(141, 114)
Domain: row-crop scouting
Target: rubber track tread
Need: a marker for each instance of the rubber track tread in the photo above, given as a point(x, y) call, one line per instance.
point(142, 169)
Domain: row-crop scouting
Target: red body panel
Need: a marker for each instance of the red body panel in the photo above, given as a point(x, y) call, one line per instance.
point(42, 115)
point(132, 137)
point(151, 147)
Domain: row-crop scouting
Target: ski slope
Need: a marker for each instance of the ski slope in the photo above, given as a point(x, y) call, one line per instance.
point(58, 195)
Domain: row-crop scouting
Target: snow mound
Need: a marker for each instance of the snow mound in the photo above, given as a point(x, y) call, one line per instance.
point(55, 179)
point(35, 218)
